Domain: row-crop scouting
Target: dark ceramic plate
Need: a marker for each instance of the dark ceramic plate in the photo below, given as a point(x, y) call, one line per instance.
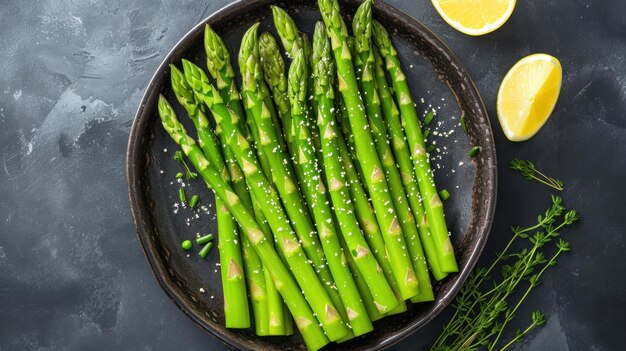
point(438, 80)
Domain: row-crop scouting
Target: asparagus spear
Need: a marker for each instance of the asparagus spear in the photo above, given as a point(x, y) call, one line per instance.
point(287, 30)
point(273, 67)
point(370, 164)
point(313, 289)
point(220, 68)
point(274, 73)
point(293, 41)
point(236, 310)
point(305, 320)
point(403, 158)
point(317, 197)
point(370, 270)
point(415, 138)
point(364, 62)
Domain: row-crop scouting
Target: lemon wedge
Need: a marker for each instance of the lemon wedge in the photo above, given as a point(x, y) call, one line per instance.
point(528, 94)
point(475, 17)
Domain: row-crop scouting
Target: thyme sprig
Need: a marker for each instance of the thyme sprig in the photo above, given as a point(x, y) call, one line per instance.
point(483, 309)
point(530, 172)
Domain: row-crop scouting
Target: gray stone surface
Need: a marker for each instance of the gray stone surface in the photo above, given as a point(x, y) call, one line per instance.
point(72, 275)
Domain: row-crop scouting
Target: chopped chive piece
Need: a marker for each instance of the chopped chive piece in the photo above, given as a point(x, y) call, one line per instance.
point(463, 124)
point(193, 201)
point(179, 175)
point(426, 134)
point(444, 194)
point(473, 151)
point(430, 149)
point(429, 117)
point(187, 245)
point(205, 250)
point(181, 194)
point(204, 239)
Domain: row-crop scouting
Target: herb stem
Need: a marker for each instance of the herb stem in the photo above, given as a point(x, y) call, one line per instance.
point(520, 336)
point(547, 183)
point(528, 170)
point(555, 182)
point(534, 282)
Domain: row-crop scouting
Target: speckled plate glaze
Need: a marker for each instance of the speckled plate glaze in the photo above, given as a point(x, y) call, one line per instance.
point(438, 81)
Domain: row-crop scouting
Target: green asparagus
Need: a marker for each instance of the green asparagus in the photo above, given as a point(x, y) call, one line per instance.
point(293, 41)
point(287, 31)
point(273, 67)
point(220, 68)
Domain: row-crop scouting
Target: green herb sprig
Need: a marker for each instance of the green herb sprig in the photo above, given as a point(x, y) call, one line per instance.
point(529, 172)
point(483, 309)
point(178, 157)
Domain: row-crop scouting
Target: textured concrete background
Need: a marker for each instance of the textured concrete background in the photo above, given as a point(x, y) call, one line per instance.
point(72, 275)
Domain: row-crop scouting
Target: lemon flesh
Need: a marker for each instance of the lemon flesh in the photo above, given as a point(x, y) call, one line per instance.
point(528, 94)
point(475, 17)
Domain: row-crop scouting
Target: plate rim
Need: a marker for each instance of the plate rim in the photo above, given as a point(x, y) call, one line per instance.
point(135, 160)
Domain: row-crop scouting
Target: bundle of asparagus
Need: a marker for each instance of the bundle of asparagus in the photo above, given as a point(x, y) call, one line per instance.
point(320, 226)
